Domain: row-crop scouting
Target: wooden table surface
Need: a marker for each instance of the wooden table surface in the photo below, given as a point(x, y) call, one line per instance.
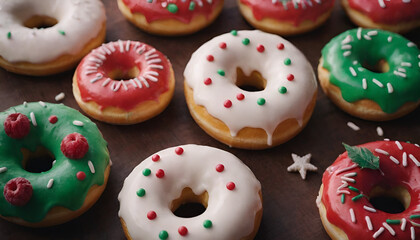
point(290, 211)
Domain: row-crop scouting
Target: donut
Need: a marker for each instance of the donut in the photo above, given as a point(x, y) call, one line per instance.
point(363, 173)
point(286, 17)
point(371, 74)
point(396, 16)
point(186, 174)
point(41, 38)
point(54, 164)
point(171, 17)
point(250, 89)
point(124, 82)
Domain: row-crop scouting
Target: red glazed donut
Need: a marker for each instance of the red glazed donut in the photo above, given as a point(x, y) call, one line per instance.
point(124, 82)
point(396, 15)
point(391, 169)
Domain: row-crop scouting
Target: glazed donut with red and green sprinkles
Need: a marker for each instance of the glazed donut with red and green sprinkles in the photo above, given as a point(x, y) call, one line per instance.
point(233, 209)
point(80, 159)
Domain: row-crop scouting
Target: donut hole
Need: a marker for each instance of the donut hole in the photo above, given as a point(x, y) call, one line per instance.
point(380, 66)
point(39, 161)
point(38, 21)
point(390, 200)
point(189, 204)
point(252, 83)
point(119, 74)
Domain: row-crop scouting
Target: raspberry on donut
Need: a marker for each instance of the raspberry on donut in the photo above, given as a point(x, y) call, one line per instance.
point(17, 125)
point(18, 191)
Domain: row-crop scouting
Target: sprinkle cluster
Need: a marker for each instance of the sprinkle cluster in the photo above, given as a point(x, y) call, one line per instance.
point(303, 3)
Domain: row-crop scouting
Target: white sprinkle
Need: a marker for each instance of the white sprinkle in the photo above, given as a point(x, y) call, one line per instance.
point(124, 85)
point(411, 44)
point(152, 56)
point(136, 46)
point(150, 52)
point(390, 88)
point(115, 86)
point(404, 159)
point(346, 47)
point(347, 53)
point(352, 216)
point(406, 64)
point(367, 37)
point(347, 169)
point(348, 179)
point(151, 78)
point(353, 126)
point(359, 33)
point(379, 131)
point(416, 145)
point(379, 232)
point(100, 56)
point(364, 83)
point(361, 69)
point(50, 183)
point(381, 3)
point(369, 223)
point(120, 44)
point(25, 104)
point(42, 104)
point(413, 233)
point(344, 185)
point(403, 224)
point(355, 62)
point(90, 72)
point(106, 82)
point(156, 60)
point(347, 40)
point(394, 160)
point(402, 70)
point(133, 83)
point(343, 191)
point(406, 1)
point(369, 209)
point(95, 60)
point(389, 39)
point(112, 47)
point(106, 49)
point(138, 82)
point(144, 81)
point(152, 73)
point(415, 224)
point(386, 139)
point(98, 76)
point(414, 159)
point(141, 49)
point(399, 145)
point(3, 169)
point(53, 163)
point(91, 167)
point(376, 81)
point(378, 150)
point(33, 119)
point(352, 174)
point(389, 228)
point(372, 33)
point(353, 72)
point(127, 46)
point(156, 66)
point(60, 96)
point(78, 123)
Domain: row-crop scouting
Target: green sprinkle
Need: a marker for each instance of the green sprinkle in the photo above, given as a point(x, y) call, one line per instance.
point(207, 224)
point(354, 189)
point(149, 1)
point(391, 221)
point(261, 101)
point(414, 216)
point(192, 6)
point(141, 192)
point(173, 8)
point(163, 235)
point(234, 32)
point(357, 197)
point(287, 61)
point(9, 35)
point(245, 41)
point(146, 172)
point(343, 198)
point(283, 90)
point(62, 32)
point(221, 72)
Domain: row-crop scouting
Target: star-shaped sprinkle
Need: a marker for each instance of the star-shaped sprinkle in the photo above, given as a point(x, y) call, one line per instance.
point(302, 165)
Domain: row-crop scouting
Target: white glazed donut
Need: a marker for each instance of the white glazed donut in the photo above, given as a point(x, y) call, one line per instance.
point(245, 119)
point(28, 48)
point(228, 188)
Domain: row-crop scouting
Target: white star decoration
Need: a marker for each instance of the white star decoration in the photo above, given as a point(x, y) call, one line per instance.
point(301, 164)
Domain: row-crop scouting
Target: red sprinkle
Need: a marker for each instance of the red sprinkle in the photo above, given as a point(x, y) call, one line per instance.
point(260, 48)
point(53, 119)
point(182, 231)
point(230, 186)
point(18, 191)
point(210, 58)
point(179, 150)
point(151, 215)
point(81, 175)
point(280, 46)
point(220, 167)
point(227, 104)
point(17, 125)
point(290, 77)
point(155, 158)
point(160, 173)
point(207, 81)
point(222, 45)
point(240, 96)
point(74, 146)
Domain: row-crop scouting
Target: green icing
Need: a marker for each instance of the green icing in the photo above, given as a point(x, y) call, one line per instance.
point(67, 190)
point(396, 50)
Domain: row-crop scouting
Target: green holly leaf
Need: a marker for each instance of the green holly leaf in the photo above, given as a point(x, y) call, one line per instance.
point(362, 157)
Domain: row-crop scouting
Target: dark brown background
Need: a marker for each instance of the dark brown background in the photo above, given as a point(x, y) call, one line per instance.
point(290, 211)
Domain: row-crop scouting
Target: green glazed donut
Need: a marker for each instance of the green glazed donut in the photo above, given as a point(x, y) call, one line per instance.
point(76, 178)
point(377, 73)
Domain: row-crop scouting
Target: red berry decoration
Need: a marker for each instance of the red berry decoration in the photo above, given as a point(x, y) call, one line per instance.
point(155, 158)
point(81, 175)
point(183, 231)
point(18, 191)
point(53, 119)
point(220, 167)
point(290, 77)
point(227, 104)
point(260, 48)
point(210, 58)
point(151, 215)
point(179, 150)
point(160, 173)
point(74, 146)
point(222, 45)
point(280, 46)
point(240, 96)
point(207, 81)
point(17, 125)
point(230, 186)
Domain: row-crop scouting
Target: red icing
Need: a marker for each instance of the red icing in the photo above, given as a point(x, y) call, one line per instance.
point(155, 11)
point(395, 11)
point(155, 158)
point(182, 231)
point(266, 8)
point(394, 175)
point(151, 215)
point(160, 173)
point(123, 98)
point(81, 175)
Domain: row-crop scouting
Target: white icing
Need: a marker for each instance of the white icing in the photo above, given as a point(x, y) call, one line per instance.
point(270, 63)
point(231, 212)
point(80, 20)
